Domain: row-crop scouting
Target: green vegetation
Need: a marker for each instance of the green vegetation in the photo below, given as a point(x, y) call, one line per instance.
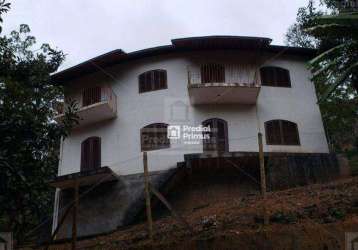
point(352, 156)
point(29, 137)
point(335, 70)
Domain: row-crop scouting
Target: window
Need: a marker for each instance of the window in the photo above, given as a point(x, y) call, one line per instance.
point(275, 77)
point(212, 73)
point(153, 80)
point(91, 153)
point(154, 136)
point(217, 138)
point(280, 132)
point(91, 95)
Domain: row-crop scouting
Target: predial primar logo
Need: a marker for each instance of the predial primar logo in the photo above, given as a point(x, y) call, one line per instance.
point(173, 132)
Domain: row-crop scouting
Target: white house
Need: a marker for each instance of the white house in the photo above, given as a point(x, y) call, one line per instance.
point(235, 86)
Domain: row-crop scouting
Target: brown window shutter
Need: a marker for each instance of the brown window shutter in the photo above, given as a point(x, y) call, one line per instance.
point(273, 132)
point(141, 83)
point(280, 132)
point(267, 76)
point(152, 80)
point(275, 77)
point(163, 80)
point(83, 155)
point(91, 153)
point(96, 152)
point(283, 78)
point(290, 133)
point(218, 135)
point(156, 79)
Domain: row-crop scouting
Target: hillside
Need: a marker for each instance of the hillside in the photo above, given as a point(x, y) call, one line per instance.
point(310, 217)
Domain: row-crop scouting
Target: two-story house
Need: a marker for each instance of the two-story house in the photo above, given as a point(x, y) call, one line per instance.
point(211, 95)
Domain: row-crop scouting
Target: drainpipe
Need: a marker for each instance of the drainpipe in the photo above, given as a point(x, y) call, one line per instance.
point(57, 192)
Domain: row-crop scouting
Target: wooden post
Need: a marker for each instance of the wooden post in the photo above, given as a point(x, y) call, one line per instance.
point(53, 236)
point(263, 177)
point(262, 166)
point(147, 195)
point(74, 217)
point(167, 204)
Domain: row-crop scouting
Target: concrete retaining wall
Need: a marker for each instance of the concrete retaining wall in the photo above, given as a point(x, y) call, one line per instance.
point(115, 204)
point(109, 205)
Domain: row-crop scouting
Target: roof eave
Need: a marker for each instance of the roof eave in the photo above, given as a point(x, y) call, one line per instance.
point(178, 45)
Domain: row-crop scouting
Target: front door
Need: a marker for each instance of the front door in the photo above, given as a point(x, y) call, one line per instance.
point(217, 140)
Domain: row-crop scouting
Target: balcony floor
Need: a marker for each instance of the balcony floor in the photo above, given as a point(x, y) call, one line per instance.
point(92, 114)
point(223, 93)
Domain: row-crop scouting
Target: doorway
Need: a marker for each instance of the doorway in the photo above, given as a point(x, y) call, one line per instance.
point(215, 140)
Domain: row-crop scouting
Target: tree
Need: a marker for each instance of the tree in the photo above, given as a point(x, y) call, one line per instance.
point(339, 62)
point(334, 35)
point(4, 7)
point(29, 136)
point(296, 35)
point(335, 70)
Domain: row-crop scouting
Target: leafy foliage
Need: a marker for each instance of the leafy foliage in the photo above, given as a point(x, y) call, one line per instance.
point(4, 7)
point(335, 70)
point(29, 136)
point(339, 64)
point(296, 35)
point(334, 34)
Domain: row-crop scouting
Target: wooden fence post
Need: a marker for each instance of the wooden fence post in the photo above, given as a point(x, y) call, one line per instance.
point(263, 177)
point(147, 195)
point(59, 224)
point(74, 217)
point(262, 166)
point(167, 204)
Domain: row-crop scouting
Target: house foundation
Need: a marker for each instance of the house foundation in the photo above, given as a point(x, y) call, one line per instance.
point(199, 181)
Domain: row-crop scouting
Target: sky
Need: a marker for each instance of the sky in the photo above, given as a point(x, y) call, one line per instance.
point(83, 29)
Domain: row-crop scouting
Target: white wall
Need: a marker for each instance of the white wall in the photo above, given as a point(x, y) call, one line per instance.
point(297, 104)
point(121, 136)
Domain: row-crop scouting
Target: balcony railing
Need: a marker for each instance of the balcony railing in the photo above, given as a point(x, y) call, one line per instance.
point(216, 83)
point(96, 104)
point(228, 74)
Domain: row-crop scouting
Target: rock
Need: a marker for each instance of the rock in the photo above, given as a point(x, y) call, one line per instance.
point(329, 219)
point(209, 222)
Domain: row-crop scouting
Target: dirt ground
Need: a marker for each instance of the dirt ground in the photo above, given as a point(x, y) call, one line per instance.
point(310, 217)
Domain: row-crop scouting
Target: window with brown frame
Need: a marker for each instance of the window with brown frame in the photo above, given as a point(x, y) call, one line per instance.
point(91, 95)
point(275, 77)
point(153, 80)
point(212, 72)
point(154, 136)
point(281, 132)
point(91, 153)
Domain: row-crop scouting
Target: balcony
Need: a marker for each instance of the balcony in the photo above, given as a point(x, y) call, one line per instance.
point(219, 84)
point(97, 104)
point(84, 178)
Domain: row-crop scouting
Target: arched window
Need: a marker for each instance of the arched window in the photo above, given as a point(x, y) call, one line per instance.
point(275, 77)
point(217, 138)
point(281, 132)
point(154, 136)
point(91, 95)
point(91, 153)
point(212, 72)
point(153, 80)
